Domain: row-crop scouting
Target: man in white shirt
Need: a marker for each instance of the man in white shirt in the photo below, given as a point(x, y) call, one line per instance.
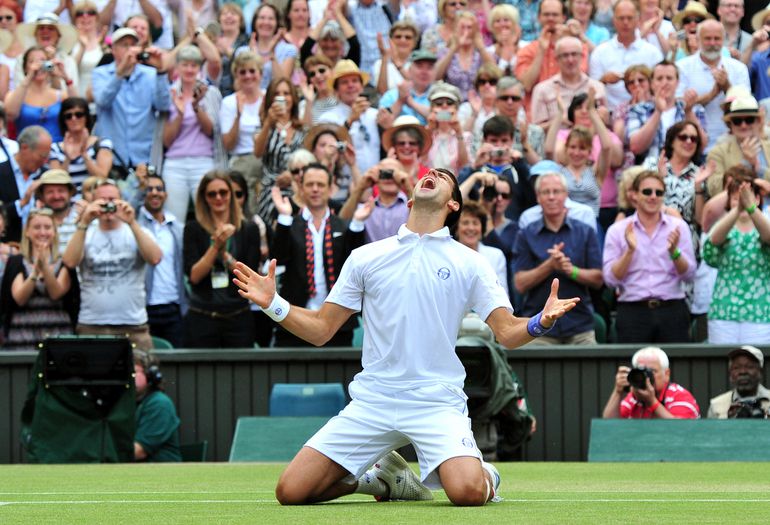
point(414, 290)
point(711, 74)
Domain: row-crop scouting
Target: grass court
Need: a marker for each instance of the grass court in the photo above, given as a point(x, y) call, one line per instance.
point(647, 493)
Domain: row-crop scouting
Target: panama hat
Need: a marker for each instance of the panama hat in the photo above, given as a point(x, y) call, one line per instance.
point(736, 91)
point(758, 20)
point(742, 107)
point(55, 177)
point(344, 68)
point(692, 8)
point(319, 129)
point(407, 122)
point(68, 35)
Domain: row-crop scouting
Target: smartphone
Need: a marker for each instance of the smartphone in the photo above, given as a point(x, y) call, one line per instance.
point(280, 100)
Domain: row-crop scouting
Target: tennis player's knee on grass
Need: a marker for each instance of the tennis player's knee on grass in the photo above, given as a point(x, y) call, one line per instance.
point(466, 492)
point(290, 493)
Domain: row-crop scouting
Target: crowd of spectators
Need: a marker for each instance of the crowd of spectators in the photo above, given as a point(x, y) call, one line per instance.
point(148, 145)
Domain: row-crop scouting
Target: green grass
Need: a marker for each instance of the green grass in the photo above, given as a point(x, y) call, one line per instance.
point(243, 493)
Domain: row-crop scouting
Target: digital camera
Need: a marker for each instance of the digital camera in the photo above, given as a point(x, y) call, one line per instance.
point(109, 207)
point(638, 377)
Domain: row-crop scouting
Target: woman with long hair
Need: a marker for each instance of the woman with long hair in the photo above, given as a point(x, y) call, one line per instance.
point(319, 97)
point(332, 146)
point(233, 36)
point(80, 153)
point(282, 133)
point(297, 22)
point(471, 229)
point(88, 50)
point(278, 55)
point(34, 284)
point(218, 236)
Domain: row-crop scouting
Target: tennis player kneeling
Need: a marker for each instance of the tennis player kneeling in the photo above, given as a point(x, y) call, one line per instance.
point(414, 289)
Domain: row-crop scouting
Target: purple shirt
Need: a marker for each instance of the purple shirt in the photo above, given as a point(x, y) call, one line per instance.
point(191, 141)
point(651, 274)
point(386, 220)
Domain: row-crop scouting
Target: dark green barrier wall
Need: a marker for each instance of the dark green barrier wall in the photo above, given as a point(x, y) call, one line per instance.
point(567, 387)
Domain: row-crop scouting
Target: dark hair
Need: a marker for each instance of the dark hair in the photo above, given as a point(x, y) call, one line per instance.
point(276, 12)
point(286, 21)
point(269, 98)
point(577, 101)
point(238, 178)
point(413, 133)
point(675, 130)
point(74, 103)
point(316, 166)
point(475, 209)
point(498, 125)
point(561, 4)
point(452, 219)
point(737, 175)
point(25, 57)
point(664, 63)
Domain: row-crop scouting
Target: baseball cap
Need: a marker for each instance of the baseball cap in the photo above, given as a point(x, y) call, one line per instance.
point(123, 32)
point(752, 351)
point(422, 54)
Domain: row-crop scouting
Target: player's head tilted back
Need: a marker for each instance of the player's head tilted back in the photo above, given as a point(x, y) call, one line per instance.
point(424, 192)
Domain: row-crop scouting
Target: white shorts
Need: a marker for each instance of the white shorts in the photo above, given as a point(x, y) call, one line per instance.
point(723, 332)
point(434, 419)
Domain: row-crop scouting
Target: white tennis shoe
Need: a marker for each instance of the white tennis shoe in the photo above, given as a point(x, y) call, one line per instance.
point(403, 483)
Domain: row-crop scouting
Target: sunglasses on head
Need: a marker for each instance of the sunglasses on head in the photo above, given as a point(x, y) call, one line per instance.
point(509, 98)
point(74, 114)
point(737, 121)
point(89, 12)
point(319, 71)
point(684, 137)
point(217, 193)
point(648, 191)
point(692, 19)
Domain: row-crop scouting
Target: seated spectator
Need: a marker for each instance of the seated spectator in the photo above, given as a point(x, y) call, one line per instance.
point(110, 256)
point(437, 37)
point(88, 49)
point(471, 228)
point(191, 134)
point(318, 94)
point(267, 41)
point(239, 120)
point(164, 282)
point(503, 23)
point(80, 153)
point(407, 141)
point(458, 63)
point(449, 150)
point(646, 258)
point(313, 245)
point(749, 398)
point(659, 398)
point(128, 94)
point(233, 36)
point(55, 191)
point(410, 97)
point(528, 138)
point(558, 246)
point(57, 40)
point(34, 283)
point(282, 133)
point(738, 245)
point(331, 146)
point(157, 425)
point(218, 236)
point(334, 34)
point(10, 17)
point(35, 101)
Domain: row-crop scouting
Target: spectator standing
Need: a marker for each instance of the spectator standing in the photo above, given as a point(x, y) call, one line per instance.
point(558, 246)
point(503, 22)
point(218, 236)
point(730, 14)
point(528, 138)
point(410, 97)
point(80, 153)
point(55, 190)
point(128, 95)
point(710, 74)
point(636, 80)
point(111, 256)
point(334, 34)
point(436, 38)
point(233, 36)
point(10, 16)
point(388, 71)
point(164, 282)
point(748, 397)
point(370, 19)
point(646, 258)
point(297, 22)
point(449, 149)
point(56, 39)
point(480, 106)
point(318, 94)
point(278, 56)
point(331, 146)
point(34, 284)
point(114, 14)
point(191, 134)
point(659, 399)
point(88, 49)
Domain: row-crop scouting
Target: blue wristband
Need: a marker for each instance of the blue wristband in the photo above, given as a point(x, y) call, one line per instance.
point(535, 328)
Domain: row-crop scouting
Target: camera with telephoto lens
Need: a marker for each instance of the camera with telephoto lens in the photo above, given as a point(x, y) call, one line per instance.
point(144, 56)
point(748, 409)
point(47, 66)
point(109, 207)
point(386, 174)
point(638, 377)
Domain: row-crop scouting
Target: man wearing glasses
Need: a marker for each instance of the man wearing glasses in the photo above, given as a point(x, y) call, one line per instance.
point(646, 258)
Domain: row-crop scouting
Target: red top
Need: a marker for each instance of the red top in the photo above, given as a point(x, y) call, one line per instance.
point(676, 399)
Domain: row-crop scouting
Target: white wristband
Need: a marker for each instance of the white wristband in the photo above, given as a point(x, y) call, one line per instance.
point(278, 309)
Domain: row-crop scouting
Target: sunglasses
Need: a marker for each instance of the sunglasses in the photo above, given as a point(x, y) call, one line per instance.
point(238, 194)
point(7, 18)
point(737, 121)
point(157, 189)
point(249, 71)
point(692, 19)
point(217, 193)
point(640, 80)
point(684, 137)
point(457, 4)
point(509, 98)
point(504, 195)
point(407, 143)
point(443, 102)
point(403, 36)
point(47, 212)
point(296, 171)
point(648, 191)
point(319, 71)
point(74, 114)
point(490, 81)
point(89, 12)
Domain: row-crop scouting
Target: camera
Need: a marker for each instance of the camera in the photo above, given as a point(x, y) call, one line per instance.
point(747, 410)
point(109, 207)
point(489, 193)
point(341, 145)
point(386, 174)
point(638, 377)
point(144, 56)
point(280, 100)
point(151, 170)
point(47, 66)
point(497, 152)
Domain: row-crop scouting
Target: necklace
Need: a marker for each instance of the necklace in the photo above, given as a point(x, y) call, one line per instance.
point(283, 129)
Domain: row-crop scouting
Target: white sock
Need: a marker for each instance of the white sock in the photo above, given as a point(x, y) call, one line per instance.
point(371, 484)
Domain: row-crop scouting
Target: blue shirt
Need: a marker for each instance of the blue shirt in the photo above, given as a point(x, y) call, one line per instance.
point(581, 245)
point(390, 97)
point(126, 109)
point(597, 34)
point(530, 28)
point(758, 74)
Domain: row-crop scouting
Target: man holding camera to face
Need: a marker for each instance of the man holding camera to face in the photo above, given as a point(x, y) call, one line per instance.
point(110, 255)
point(748, 398)
point(646, 391)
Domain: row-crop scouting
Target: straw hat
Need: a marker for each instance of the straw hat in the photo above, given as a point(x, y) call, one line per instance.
point(347, 67)
point(407, 122)
point(742, 107)
point(757, 21)
point(736, 91)
point(319, 129)
point(692, 8)
point(68, 35)
point(55, 177)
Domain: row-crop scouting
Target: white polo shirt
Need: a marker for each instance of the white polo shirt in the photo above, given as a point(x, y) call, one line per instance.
point(415, 290)
point(696, 74)
point(363, 133)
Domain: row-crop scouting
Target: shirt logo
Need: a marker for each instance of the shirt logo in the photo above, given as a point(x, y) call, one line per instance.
point(467, 442)
point(443, 273)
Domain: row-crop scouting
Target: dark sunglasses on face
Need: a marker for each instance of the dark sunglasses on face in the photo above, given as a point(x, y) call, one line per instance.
point(7, 18)
point(217, 193)
point(490, 81)
point(296, 171)
point(442, 102)
point(319, 71)
point(74, 114)
point(684, 137)
point(640, 80)
point(509, 98)
point(406, 143)
point(456, 4)
point(89, 12)
point(648, 191)
point(504, 195)
point(158, 189)
point(737, 121)
point(691, 20)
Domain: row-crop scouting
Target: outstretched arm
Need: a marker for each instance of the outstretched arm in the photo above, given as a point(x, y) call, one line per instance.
point(314, 326)
point(512, 332)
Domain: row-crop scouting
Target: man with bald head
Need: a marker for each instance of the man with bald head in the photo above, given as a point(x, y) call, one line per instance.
point(567, 83)
point(610, 59)
point(711, 74)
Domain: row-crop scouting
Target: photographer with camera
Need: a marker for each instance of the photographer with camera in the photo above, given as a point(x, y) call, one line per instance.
point(157, 424)
point(110, 256)
point(646, 391)
point(748, 398)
